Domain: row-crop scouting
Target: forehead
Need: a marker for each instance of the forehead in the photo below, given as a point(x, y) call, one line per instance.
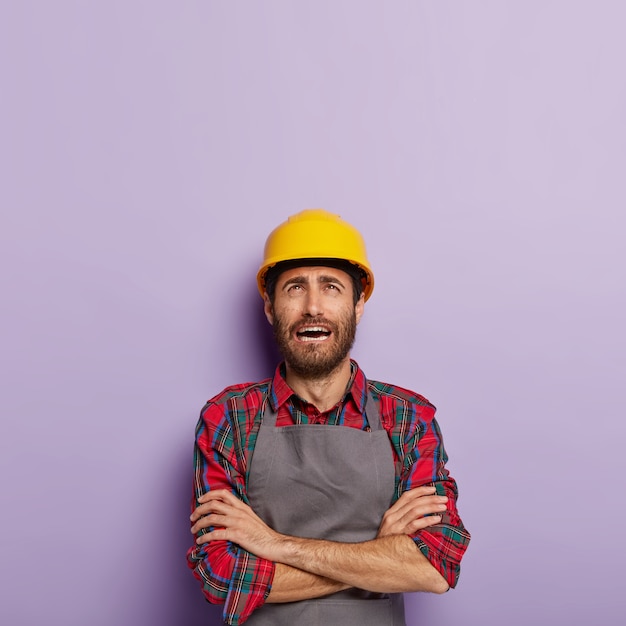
point(314, 274)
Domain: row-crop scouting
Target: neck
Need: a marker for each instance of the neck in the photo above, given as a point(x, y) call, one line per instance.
point(323, 392)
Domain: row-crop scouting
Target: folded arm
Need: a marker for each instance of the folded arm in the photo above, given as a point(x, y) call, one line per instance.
point(291, 584)
point(389, 563)
point(242, 578)
point(416, 509)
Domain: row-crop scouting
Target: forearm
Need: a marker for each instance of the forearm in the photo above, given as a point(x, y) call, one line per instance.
point(388, 564)
point(291, 584)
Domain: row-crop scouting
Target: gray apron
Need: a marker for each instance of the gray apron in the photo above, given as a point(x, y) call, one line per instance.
point(325, 482)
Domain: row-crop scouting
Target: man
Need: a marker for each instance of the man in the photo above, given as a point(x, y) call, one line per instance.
point(320, 496)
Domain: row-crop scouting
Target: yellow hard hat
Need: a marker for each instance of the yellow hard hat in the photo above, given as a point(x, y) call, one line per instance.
point(316, 234)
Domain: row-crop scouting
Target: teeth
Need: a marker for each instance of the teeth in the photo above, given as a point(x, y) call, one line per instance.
point(305, 338)
point(313, 333)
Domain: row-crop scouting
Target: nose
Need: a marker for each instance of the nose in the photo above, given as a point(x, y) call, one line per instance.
point(313, 305)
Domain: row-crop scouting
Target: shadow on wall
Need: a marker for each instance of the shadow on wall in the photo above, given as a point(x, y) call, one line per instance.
point(187, 606)
point(259, 354)
point(423, 608)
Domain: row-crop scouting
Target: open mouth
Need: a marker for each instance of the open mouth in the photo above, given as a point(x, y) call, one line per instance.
point(313, 333)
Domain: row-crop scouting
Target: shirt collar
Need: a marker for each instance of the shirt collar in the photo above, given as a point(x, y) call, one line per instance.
point(280, 391)
point(357, 387)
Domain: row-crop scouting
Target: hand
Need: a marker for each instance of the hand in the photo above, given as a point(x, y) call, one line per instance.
point(407, 515)
point(233, 520)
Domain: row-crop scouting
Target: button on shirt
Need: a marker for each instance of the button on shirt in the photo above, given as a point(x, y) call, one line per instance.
point(225, 438)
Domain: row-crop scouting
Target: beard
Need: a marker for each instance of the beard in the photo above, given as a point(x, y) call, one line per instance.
point(316, 360)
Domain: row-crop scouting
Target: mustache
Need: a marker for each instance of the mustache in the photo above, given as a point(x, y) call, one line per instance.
point(314, 321)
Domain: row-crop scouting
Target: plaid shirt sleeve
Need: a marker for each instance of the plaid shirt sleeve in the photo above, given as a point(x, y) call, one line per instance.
point(417, 439)
point(229, 575)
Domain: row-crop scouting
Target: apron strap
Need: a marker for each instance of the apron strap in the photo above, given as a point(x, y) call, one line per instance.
point(372, 413)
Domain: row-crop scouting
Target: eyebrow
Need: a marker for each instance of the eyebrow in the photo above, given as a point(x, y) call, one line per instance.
point(324, 279)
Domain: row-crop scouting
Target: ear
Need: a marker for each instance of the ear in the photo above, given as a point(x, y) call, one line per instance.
point(359, 308)
point(268, 308)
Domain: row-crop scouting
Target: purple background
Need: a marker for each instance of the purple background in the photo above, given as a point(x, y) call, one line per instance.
point(147, 150)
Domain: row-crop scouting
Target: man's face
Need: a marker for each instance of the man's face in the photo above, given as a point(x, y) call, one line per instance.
point(314, 318)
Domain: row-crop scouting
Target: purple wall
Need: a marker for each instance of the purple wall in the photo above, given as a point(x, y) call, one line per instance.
point(147, 148)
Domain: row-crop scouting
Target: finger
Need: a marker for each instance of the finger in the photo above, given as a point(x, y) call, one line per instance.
point(423, 522)
point(426, 505)
point(207, 521)
point(408, 498)
point(214, 506)
point(418, 492)
point(199, 511)
point(421, 510)
point(415, 525)
point(423, 490)
point(416, 495)
point(219, 534)
point(415, 506)
point(397, 522)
